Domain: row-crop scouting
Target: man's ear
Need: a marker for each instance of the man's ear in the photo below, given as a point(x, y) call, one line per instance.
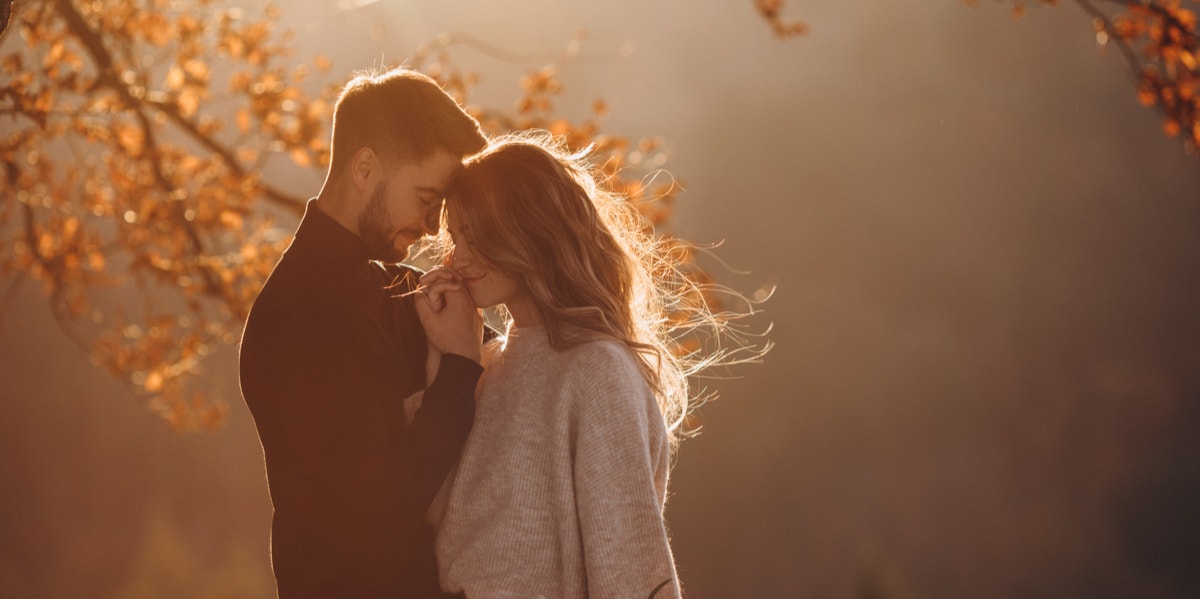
point(364, 167)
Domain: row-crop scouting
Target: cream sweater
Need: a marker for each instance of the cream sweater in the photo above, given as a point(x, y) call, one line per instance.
point(561, 486)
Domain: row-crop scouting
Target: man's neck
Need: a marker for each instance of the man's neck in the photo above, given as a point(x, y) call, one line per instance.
point(336, 205)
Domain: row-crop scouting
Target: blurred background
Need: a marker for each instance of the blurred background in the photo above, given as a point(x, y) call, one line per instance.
point(986, 379)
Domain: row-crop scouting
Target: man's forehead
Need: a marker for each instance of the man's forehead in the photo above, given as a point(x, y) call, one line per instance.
point(432, 190)
point(436, 173)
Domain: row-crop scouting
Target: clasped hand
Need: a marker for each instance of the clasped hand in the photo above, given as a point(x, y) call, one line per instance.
point(453, 325)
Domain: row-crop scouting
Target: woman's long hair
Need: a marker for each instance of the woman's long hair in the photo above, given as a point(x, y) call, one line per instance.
point(588, 261)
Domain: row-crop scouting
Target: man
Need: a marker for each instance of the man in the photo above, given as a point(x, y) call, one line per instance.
point(330, 350)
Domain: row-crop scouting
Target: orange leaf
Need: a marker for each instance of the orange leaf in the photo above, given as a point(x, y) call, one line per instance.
point(1146, 96)
point(189, 101)
point(131, 138)
point(175, 78)
point(154, 382)
point(243, 120)
point(300, 156)
point(196, 69)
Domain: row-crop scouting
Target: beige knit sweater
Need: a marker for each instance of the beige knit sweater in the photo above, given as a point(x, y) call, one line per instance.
point(561, 485)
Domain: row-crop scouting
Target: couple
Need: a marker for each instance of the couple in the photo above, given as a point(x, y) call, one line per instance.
point(544, 475)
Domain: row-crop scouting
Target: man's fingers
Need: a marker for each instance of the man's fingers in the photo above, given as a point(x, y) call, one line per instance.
point(422, 304)
point(455, 327)
point(436, 292)
point(458, 299)
point(438, 274)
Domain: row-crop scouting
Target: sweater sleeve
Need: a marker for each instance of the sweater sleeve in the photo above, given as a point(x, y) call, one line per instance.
point(440, 425)
point(436, 423)
point(620, 471)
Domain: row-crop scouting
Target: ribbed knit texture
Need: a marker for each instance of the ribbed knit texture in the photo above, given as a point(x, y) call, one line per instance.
point(562, 482)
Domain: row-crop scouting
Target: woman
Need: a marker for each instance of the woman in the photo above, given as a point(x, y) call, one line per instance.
point(561, 485)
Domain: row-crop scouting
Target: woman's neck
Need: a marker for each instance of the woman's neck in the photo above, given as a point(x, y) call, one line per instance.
point(523, 312)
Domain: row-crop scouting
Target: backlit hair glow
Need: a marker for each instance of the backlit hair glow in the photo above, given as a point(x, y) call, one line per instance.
point(590, 263)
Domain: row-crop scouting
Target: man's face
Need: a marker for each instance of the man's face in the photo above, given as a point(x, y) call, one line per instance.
point(405, 205)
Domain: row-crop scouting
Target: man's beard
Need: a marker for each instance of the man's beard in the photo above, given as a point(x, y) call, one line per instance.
point(373, 228)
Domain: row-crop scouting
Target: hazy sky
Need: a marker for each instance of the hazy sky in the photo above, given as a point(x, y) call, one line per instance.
point(986, 259)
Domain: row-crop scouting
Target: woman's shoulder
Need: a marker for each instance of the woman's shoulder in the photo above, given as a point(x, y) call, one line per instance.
point(603, 366)
point(601, 352)
point(607, 389)
point(594, 362)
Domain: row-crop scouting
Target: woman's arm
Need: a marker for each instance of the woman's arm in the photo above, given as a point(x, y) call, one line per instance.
point(620, 472)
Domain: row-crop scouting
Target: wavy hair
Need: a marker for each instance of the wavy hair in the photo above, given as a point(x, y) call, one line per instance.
point(588, 260)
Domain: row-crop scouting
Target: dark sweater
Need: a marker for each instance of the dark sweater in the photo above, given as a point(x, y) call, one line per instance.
point(327, 357)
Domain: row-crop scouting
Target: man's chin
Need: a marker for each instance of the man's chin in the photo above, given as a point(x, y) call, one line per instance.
point(389, 254)
point(397, 252)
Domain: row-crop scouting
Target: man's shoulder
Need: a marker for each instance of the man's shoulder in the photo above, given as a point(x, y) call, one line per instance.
point(289, 302)
point(283, 330)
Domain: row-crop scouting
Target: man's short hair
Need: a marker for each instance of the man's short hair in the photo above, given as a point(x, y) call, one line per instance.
point(402, 115)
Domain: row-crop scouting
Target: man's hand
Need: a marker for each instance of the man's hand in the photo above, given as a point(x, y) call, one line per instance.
point(435, 283)
point(453, 325)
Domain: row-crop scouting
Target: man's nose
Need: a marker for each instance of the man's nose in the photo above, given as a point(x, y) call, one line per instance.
point(432, 222)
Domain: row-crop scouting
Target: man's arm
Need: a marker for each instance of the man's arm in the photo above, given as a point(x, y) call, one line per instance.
point(434, 440)
point(439, 429)
point(326, 451)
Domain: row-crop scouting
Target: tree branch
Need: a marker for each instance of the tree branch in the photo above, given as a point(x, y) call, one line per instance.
point(5, 15)
point(1135, 66)
point(107, 76)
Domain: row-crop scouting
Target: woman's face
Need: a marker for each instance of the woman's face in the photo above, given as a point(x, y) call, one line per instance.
point(488, 286)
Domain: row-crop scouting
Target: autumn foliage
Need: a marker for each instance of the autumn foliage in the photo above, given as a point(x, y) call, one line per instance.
point(134, 134)
point(1157, 39)
point(783, 27)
